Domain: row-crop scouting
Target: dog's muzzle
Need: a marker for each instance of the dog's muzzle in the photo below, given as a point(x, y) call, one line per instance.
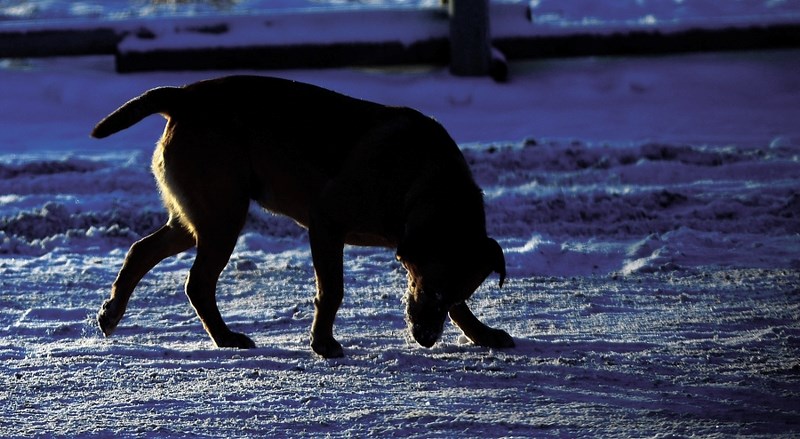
point(426, 320)
point(426, 336)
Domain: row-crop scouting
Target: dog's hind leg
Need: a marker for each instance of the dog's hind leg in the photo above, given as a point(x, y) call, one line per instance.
point(477, 331)
point(216, 238)
point(169, 240)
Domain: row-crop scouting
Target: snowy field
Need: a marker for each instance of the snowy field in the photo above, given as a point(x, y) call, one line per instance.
point(653, 291)
point(649, 209)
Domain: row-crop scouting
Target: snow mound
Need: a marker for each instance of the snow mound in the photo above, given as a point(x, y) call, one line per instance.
point(557, 207)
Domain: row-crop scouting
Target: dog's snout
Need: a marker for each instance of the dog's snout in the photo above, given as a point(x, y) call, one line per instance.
point(425, 315)
point(425, 336)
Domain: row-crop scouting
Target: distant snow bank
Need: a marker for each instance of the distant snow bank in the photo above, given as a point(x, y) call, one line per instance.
point(557, 208)
point(580, 209)
point(556, 13)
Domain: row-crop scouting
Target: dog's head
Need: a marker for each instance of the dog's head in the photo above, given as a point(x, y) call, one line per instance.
point(442, 274)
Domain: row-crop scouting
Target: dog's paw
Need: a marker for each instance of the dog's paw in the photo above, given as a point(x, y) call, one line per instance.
point(495, 338)
point(108, 317)
point(502, 339)
point(235, 340)
point(327, 347)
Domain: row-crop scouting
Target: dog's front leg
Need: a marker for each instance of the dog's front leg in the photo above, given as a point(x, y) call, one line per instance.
point(477, 331)
point(327, 247)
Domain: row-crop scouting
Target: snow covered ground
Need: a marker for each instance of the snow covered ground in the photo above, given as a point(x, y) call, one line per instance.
point(653, 281)
point(649, 209)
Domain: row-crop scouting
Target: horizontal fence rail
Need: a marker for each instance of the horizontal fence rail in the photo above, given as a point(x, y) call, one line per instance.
point(283, 39)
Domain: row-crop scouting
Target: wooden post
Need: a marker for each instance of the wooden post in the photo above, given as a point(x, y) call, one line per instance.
point(470, 48)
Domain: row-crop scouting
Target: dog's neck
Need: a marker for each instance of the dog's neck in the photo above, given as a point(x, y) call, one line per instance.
point(437, 205)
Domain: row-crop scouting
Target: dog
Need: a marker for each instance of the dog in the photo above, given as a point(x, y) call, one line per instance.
point(350, 171)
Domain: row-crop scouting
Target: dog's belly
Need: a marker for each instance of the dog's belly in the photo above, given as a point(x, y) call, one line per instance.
point(369, 240)
point(292, 181)
point(292, 210)
point(300, 215)
point(282, 189)
point(296, 205)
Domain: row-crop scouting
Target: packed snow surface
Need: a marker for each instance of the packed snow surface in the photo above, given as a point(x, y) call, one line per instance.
point(649, 209)
point(653, 282)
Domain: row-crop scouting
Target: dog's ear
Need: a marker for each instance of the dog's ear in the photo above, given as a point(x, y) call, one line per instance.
point(402, 251)
point(494, 254)
point(407, 249)
point(414, 246)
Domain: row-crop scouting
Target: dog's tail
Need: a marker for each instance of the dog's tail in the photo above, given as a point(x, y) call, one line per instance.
point(158, 100)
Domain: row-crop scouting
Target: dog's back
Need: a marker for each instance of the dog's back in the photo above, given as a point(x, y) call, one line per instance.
point(250, 99)
point(298, 137)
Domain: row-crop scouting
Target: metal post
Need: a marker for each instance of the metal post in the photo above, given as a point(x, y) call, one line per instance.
point(470, 48)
